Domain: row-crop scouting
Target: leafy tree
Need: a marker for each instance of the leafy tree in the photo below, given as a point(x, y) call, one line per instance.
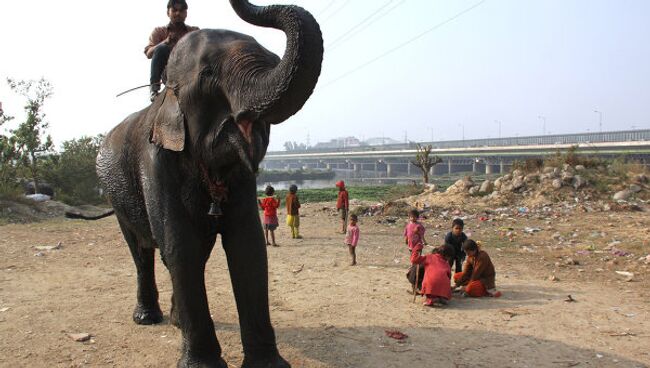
point(424, 161)
point(72, 172)
point(7, 157)
point(29, 139)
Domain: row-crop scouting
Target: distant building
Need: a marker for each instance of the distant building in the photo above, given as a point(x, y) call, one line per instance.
point(343, 142)
point(380, 141)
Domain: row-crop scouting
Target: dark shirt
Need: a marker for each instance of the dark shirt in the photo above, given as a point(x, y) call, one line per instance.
point(457, 243)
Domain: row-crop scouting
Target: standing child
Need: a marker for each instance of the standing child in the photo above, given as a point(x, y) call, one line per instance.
point(270, 206)
point(455, 238)
point(352, 238)
point(414, 233)
point(342, 204)
point(477, 278)
point(293, 213)
point(437, 275)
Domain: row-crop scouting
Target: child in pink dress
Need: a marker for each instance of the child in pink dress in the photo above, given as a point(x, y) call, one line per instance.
point(352, 238)
point(414, 233)
point(436, 285)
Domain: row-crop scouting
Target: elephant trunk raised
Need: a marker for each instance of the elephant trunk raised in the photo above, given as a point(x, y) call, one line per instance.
point(283, 90)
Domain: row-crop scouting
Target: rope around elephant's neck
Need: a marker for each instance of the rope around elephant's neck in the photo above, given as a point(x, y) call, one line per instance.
point(136, 88)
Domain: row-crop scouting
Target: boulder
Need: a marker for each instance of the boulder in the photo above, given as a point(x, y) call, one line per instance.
point(517, 173)
point(641, 179)
point(473, 190)
point(518, 183)
point(567, 167)
point(557, 183)
point(567, 177)
point(635, 188)
point(579, 182)
point(507, 177)
point(505, 188)
point(548, 170)
point(531, 178)
point(498, 183)
point(486, 187)
point(623, 195)
point(580, 168)
point(430, 187)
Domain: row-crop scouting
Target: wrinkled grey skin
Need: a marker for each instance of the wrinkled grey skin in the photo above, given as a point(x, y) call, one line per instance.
point(226, 91)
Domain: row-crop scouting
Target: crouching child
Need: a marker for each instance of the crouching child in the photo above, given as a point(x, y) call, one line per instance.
point(436, 283)
point(477, 278)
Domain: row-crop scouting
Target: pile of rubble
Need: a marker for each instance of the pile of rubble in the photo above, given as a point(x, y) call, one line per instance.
point(543, 186)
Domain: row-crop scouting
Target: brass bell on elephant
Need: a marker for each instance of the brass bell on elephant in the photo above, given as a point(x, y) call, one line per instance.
point(215, 209)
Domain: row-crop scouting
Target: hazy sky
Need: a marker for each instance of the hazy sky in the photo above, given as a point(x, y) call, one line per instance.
point(507, 60)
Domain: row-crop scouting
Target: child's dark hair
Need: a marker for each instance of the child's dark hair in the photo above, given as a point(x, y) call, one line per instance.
point(354, 217)
point(446, 251)
point(458, 222)
point(293, 188)
point(470, 245)
point(414, 213)
point(171, 3)
point(269, 191)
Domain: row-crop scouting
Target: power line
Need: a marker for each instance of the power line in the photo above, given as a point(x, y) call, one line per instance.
point(337, 10)
point(449, 20)
point(326, 7)
point(366, 26)
point(359, 24)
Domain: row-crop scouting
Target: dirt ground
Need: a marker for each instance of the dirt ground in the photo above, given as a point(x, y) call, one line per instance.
point(330, 314)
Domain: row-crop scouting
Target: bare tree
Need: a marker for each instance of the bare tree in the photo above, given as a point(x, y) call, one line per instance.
point(424, 161)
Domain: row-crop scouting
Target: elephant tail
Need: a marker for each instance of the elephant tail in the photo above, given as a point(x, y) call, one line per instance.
point(79, 215)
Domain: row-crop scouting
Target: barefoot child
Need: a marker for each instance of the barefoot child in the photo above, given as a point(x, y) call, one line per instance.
point(414, 233)
point(352, 238)
point(342, 204)
point(477, 278)
point(455, 238)
point(437, 275)
point(293, 214)
point(270, 206)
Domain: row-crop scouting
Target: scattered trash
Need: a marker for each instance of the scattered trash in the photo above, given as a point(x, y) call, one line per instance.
point(628, 275)
point(571, 262)
point(298, 269)
point(39, 254)
point(531, 230)
point(569, 299)
point(619, 334)
point(619, 253)
point(2, 310)
point(397, 335)
point(553, 278)
point(48, 247)
point(599, 356)
point(80, 337)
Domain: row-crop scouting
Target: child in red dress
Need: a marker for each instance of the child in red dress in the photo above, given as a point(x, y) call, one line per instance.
point(352, 238)
point(436, 285)
point(270, 206)
point(414, 233)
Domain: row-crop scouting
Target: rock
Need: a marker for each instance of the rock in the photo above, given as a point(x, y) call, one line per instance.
point(548, 170)
point(531, 178)
point(623, 195)
point(517, 173)
point(506, 188)
point(486, 187)
point(557, 183)
point(635, 188)
point(464, 184)
point(430, 187)
point(580, 168)
point(473, 190)
point(507, 177)
point(567, 177)
point(641, 179)
point(498, 183)
point(629, 276)
point(553, 278)
point(579, 182)
point(567, 168)
point(79, 337)
point(518, 183)
point(557, 236)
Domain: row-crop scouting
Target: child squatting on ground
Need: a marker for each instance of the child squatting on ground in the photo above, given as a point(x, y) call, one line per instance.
point(455, 238)
point(414, 233)
point(342, 204)
point(270, 206)
point(437, 275)
point(477, 278)
point(352, 238)
point(293, 213)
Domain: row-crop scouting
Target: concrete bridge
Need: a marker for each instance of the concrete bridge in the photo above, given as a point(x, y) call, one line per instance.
point(480, 156)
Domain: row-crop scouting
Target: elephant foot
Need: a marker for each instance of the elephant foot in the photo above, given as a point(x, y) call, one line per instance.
point(273, 362)
point(190, 361)
point(174, 318)
point(147, 316)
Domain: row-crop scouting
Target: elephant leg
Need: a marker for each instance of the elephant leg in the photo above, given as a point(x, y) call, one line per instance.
point(174, 319)
point(147, 310)
point(200, 345)
point(246, 254)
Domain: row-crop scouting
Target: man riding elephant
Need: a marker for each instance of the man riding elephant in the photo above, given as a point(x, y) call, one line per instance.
point(162, 41)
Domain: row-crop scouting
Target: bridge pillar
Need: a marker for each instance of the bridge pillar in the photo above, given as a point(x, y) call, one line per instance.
point(357, 167)
point(501, 167)
point(449, 167)
point(408, 168)
point(375, 170)
point(389, 170)
point(474, 167)
point(488, 169)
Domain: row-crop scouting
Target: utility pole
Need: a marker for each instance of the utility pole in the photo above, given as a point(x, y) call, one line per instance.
point(600, 120)
point(463, 129)
point(499, 122)
point(543, 119)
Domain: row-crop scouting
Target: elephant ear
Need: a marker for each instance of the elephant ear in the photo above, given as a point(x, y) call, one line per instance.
point(168, 129)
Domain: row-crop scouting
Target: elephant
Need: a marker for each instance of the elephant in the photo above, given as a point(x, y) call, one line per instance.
point(182, 171)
